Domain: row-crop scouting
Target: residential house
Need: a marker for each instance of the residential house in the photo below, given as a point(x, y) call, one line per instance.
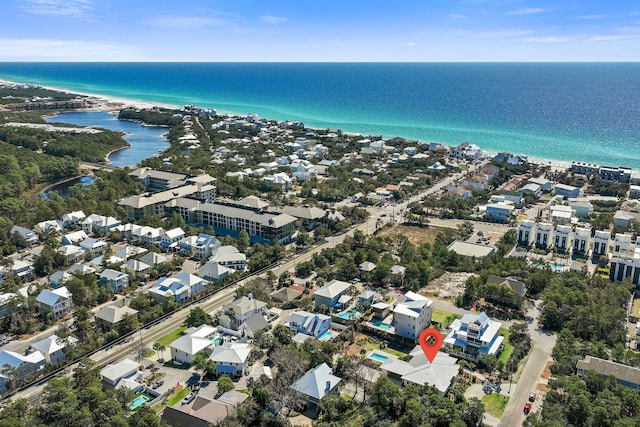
point(286, 294)
point(412, 316)
point(253, 325)
point(240, 310)
point(22, 366)
point(601, 243)
point(74, 238)
point(125, 369)
point(153, 259)
point(75, 217)
point(72, 253)
point(329, 294)
point(584, 168)
point(475, 335)
point(499, 212)
point(136, 269)
point(545, 184)
point(148, 235)
point(526, 232)
point(625, 375)
point(307, 323)
point(178, 287)
point(213, 271)
point(130, 251)
point(114, 281)
point(441, 373)
point(622, 219)
point(8, 303)
point(194, 340)
point(533, 189)
point(21, 269)
point(316, 383)
point(100, 224)
point(566, 191)
point(581, 241)
point(56, 302)
point(52, 348)
point(634, 192)
point(517, 286)
point(231, 359)
point(381, 310)
point(466, 151)
point(303, 170)
point(59, 278)
point(111, 315)
point(93, 246)
point(626, 264)
point(543, 235)
point(280, 179)
point(81, 269)
point(52, 226)
point(561, 214)
point(563, 238)
point(203, 412)
point(230, 257)
point(201, 246)
point(30, 236)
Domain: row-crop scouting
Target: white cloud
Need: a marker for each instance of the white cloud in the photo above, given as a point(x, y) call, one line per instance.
point(527, 11)
point(603, 38)
point(273, 20)
point(589, 17)
point(67, 50)
point(58, 7)
point(412, 44)
point(548, 40)
point(187, 22)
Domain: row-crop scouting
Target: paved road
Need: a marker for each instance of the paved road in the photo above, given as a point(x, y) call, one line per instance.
point(541, 354)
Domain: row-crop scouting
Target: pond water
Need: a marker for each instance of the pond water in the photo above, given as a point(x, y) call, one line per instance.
point(145, 140)
point(63, 188)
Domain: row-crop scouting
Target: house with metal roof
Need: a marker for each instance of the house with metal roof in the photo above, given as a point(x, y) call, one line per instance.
point(625, 375)
point(412, 316)
point(52, 348)
point(309, 323)
point(213, 271)
point(329, 294)
point(56, 302)
point(316, 383)
point(124, 369)
point(113, 280)
point(21, 364)
point(185, 348)
point(230, 257)
point(231, 359)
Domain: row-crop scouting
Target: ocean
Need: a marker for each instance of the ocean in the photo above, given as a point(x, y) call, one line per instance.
point(588, 112)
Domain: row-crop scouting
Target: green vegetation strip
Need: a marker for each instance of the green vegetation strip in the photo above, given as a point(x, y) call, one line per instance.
point(508, 348)
point(166, 340)
point(494, 404)
point(177, 397)
point(443, 317)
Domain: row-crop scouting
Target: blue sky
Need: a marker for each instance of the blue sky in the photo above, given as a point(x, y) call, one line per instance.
point(321, 30)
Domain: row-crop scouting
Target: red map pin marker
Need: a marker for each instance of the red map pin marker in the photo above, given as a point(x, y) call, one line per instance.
point(430, 341)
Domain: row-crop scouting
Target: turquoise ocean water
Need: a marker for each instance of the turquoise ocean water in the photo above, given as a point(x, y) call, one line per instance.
point(558, 111)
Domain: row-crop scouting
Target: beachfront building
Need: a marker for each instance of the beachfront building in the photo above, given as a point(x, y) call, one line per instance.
point(307, 323)
point(584, 168)
point(474, 335)
point(601, 243)
point(562, 238)
point(412, 316)
point(618, 174)
point(466, 151)
point(581, 241)
point(329, 294)
point(230, 219)
point(526, 232)
point(544, 232)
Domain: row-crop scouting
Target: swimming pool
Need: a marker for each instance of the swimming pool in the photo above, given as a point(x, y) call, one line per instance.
point(381, 325)
point(378, 357)
point(138, 401)
point(556, 266)
point(326, 336)
point(347, 315)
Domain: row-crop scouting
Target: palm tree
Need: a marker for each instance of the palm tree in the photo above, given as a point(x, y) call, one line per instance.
point(160, 348)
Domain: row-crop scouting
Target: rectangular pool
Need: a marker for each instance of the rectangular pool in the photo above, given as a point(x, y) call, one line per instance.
point(326, 336)
point(381, 325)
point(138, 401)
point(378, 357)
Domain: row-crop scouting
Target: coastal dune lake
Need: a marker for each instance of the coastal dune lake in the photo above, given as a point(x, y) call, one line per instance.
point(588, 112)
point(145, 140)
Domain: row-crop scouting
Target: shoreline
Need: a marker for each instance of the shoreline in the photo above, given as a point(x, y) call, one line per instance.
point(111, 104)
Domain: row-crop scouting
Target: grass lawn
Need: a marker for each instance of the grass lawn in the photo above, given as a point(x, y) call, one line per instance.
point(376, 346)
point(166, 340)
point(494, 404)
point(508, 348)
point(443, 317)
point(177, 397)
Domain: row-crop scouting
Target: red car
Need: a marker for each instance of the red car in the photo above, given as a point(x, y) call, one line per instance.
point(527, 408)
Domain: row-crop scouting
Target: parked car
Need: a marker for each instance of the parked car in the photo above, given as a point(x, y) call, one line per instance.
point(157, 384)
point(188, 398)
point(527, 408)
point(532, 396)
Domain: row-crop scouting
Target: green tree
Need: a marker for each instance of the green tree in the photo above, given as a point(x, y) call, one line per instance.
point(225, 384)
point(197, 317)
point(202, 363)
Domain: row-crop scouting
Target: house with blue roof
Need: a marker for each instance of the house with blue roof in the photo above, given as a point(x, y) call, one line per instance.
point(475, 335)
point(307, 323)
point(316, 384)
